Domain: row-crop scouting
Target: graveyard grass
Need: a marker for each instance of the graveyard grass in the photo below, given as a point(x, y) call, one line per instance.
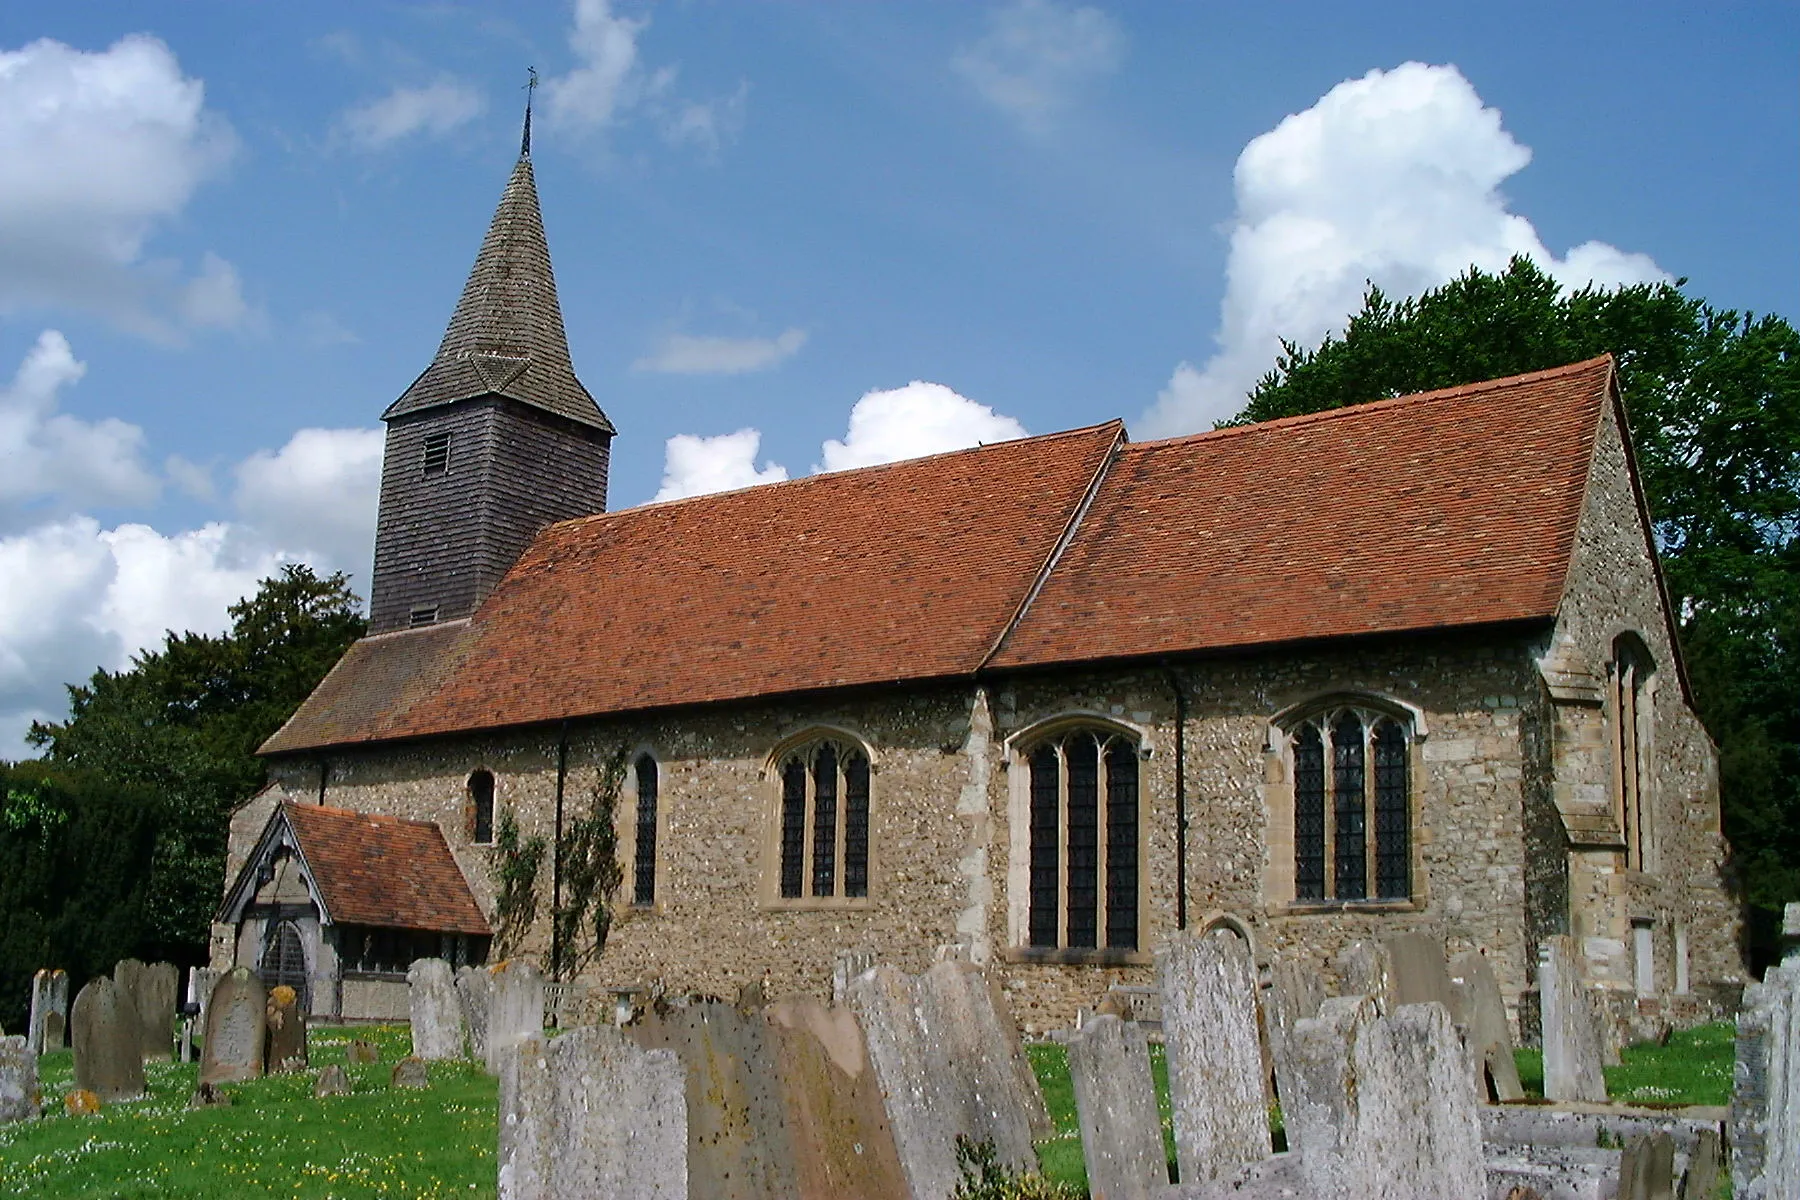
point(276, 1139)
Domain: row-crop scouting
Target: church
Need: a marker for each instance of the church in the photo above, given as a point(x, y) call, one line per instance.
point(1405, 666)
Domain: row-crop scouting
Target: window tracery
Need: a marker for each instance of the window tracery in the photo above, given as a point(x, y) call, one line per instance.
point(1083, 834)
point(823, 838)
point(1352, 769)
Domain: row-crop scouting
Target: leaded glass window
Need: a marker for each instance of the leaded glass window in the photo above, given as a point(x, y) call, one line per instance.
point(643, 889)
point(481, 804)
point(1084, 842)
point(825, 822)
point(1352, 806)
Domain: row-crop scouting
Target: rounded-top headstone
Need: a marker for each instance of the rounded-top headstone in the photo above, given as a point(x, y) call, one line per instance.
point(236, 1025)
point(109, 1060)
point(436, 1011)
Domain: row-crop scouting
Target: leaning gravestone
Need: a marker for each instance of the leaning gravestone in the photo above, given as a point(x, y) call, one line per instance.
point(847, 966)
point(332, 1081)
point(1366, 969)
point(832, 1100)
point(1481, 1011)
point(236, 1029)
point(1383, 1105)
point(1420, 974)
point(200, 984)
point(1115, 1102)
point(151, 987)
point(515, 1008)
point(361, 1052)
point(1295, 992)
point(286, 1022)
point(591, 1114)
point(475, 992)
point(1647, 1169)
point(49, 997)
point(1572, 1051)
point(109, 1059)
point(437, 1021)
point(1214, 1054)
point(19, 1098)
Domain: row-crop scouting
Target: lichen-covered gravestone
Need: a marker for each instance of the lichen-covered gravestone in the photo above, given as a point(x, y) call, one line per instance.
point(1765, 1102)
point(333, 1081)
point(1214, 1054)
point(475, 989)
point(151, 987)
point(103, 1025)
point(437, 1018)
point(1481, 1011)
point(1115, 1102)
point(49, 997)
point(515, 1008)
point(1296, 990)
point(592, 1114)
point(410, 1072)
point(19, 1098)
point(236, 1028)
point(1572, 1050)
point(286, 1022)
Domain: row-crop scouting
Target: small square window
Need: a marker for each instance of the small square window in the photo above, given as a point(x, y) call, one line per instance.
point(437, 453)
point(424, 615)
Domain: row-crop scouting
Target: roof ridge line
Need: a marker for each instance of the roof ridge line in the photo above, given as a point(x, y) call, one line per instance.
point(1063, 540)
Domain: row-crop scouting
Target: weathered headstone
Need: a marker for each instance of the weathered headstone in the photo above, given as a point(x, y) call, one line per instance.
point(1765, 1102)
point(49, 997)
point(592, 1114)
point(1214, 1054)
point(236, 1030)
point(1421, 975)
point(847, 966)
point(209, 1095)
point(410, 1072)
point(56, 1034)
point(1572, 1052)
point(474, 991)
point(1383, 1105)
point(287, 1030)
point(81, 1103)
point(108, 1055)
point(1704, 1160)
point(1647, 1169)
point(151, 987)
point(1296, 989)
point(19, 1097)
point(1115, 1102)
point(1790, 932)
point(1481, 1011)
point(437, 1015)
point(936, 1059)
point(1366, 969)
point(832, 1100)
point(360, 1052)
point(200, 984)
point(515, 1008)
point(333, 1081)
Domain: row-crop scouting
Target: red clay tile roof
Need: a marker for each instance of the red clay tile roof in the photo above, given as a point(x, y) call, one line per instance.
point(1449, 508)
point(386, 871)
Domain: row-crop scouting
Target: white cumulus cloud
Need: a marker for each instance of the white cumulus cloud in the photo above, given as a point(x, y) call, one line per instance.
point(101, 149)
point(918, 419)
point(434, 110)
point(689, 354)
point(1393, 178)
point(693, 466)
point(1039, 56)
point(316, 496)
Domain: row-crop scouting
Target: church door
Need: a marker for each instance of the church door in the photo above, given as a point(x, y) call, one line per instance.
point(284, 962)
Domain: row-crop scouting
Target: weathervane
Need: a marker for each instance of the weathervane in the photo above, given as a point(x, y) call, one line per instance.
point(530, 87)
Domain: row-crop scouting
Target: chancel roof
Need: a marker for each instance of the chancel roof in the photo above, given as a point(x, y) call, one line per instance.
point(506, 336)
point(1444, 510)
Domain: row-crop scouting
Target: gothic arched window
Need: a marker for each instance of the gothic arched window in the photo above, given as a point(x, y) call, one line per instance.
point(481, 806)
point(1083, 852)
point(643, 889)
point(1352, 805)
point(824, 824)
point(284, 961)
point(1627, 696)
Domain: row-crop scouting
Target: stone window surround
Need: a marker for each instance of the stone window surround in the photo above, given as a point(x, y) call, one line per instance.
point(770, 886)
point(1631, 686)
point(472, 808)
point(1017, 750)
point(626, 823)
point(1278, 801)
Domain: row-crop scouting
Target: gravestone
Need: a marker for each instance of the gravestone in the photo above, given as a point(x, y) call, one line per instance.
point(19, 1097)
point(104, 1030)
point(1765, 1101)
point(209, 1095)
point(236, 1029)
point(474, 991)
point(56, 1034)
point(437, 1020)
point(151, 987)
point(592, 1114)
point(1647, 1169)
point(1296, 989)
point(81, 1103)
point(1383, 1105)
point(1572, 1051)
point(286, 1023)
point(49, 997)
point(333, 1081)
point(1366, 969)
point(515, 1008)
point(360, 1052)
point(1420, 973)
point(1214, 1054)
point(200, 984)
point(847, 966)
point(935, 1058)
point(1702, 1179)
point(1481, 1011)
point(410, 1072)
point(830, 1097)
point(1115, 1102)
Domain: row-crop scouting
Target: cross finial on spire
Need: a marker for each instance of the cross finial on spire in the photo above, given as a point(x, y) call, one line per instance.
point(530, 87)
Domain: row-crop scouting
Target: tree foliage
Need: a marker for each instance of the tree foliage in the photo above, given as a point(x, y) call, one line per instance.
point(174, 737)
point(1713, 401)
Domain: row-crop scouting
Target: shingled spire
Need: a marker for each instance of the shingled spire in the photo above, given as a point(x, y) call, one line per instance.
point(506, 337)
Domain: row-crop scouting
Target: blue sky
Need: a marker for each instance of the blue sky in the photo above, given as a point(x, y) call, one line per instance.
point(231, 234)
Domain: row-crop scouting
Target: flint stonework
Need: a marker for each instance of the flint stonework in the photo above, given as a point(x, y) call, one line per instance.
point(49, 995)
point(592, 1114)
point(19, 1098)
point(1572, 1049)
point(1481, 1011)
point(236, 1029)
point(1115, 1102)
point(437, 1015)
point(515, 1008)
point(1214, 1054)
point(104, 1030)
point(286, 1022)
point(152, 988)
point(843, 1146)
point(474, 989)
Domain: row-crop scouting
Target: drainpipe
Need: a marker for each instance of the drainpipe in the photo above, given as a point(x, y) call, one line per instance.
point(1181, 819)
point(562, 774)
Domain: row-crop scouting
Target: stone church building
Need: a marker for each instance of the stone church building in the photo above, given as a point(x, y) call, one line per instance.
point(1402, 666)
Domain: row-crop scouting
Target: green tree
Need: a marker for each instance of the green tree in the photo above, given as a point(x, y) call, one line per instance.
point(1713, 400)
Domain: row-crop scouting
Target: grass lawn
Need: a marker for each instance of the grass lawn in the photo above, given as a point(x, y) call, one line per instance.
point(277, 1140)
